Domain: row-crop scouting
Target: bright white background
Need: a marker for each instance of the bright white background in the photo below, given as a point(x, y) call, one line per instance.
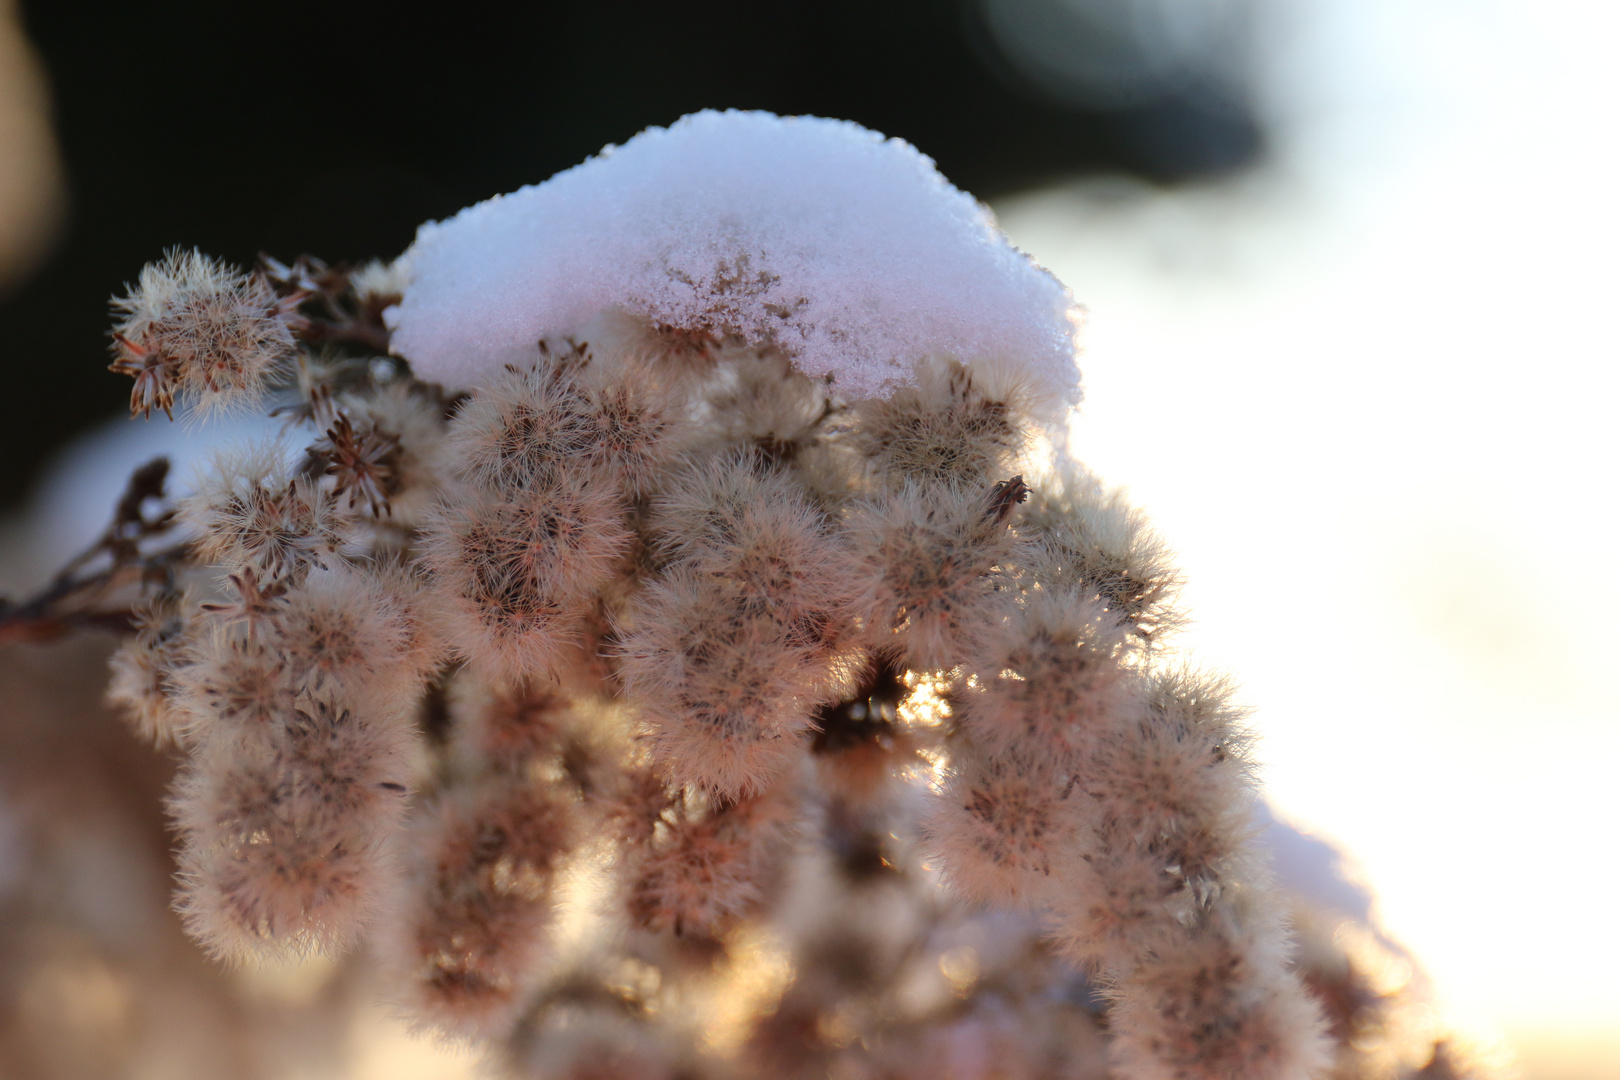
point(1369, 392)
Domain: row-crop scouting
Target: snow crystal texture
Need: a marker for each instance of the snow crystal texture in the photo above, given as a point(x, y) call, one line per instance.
point(848, 251)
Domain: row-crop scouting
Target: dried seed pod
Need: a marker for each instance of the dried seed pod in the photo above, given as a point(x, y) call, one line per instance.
point(201, 332)
point(283, 838)
point(725, 695)
point(962, 426)
point(468, 930)
point(252, 515)
point(710, 863)
point(516, 578)
point(927, 567)
point(409, 430)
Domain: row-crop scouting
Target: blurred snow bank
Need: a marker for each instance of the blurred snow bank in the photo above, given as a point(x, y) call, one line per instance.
point(1367, 392)
point(77, 492)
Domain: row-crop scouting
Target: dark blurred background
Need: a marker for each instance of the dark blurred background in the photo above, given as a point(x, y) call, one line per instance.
point(336, 128)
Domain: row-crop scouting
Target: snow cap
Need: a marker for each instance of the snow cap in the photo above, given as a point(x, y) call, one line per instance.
point(848, 251)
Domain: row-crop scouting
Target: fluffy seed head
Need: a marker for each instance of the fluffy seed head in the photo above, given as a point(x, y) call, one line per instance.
point(725, 697)
point(608, 416)
point(508, 725)
point(1220, 1008)
point(521, 427)
point(201, 331)
point(1052, 675)
point(342, 633)
point(1172, 778)
point(680, 357)
point(756, 398)
point(251, 514)
point(707, 866)
point(282, 840)
point(708, 502)
point(414, 419)
point(362, 464)
point(407, 593)
point(925, 566)
point(1002, 826)
point(640, 419)
point(957, 425)
point(516, 577)
point(747, 525)
point(470, 931)
point(1092, 542)
point(143, 669)
point(379, 283)
point(235, 682)
point(1111, 906)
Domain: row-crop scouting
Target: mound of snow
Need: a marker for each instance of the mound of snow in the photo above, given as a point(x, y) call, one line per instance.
point(847, 250)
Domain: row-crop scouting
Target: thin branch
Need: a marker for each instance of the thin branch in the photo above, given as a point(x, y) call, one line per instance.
point(76, 599)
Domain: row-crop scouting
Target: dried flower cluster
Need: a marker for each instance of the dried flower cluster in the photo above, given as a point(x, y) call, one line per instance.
point(646, 701)
point(648, 616)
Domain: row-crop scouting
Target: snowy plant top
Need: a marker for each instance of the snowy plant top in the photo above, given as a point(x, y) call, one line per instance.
point(848, 251)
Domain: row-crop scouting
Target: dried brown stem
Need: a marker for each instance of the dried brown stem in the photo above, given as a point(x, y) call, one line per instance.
point(77, 600)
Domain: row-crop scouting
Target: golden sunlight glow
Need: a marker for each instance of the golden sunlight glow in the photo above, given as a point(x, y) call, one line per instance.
point(758, 971)
point(926, 705)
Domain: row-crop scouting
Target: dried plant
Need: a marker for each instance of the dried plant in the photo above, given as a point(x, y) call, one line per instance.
point(654, 696)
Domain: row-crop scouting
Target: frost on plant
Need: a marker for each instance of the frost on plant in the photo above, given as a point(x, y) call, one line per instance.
point(699, 554)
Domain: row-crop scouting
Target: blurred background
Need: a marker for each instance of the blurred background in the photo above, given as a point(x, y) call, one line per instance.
point(1351, 278)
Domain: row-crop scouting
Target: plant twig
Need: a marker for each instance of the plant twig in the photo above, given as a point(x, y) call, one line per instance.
point(76, 599)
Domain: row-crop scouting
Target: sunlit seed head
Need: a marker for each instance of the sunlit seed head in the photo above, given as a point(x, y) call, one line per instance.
point(212, 332)
point(744, 522)
point(961, 425)
point(926, 567)
point(251, 513)
point(1216, 1007)
point(466, 935)
point(1003, 826)
point(724, 695)
point(1055, 673)
point(517, 578)
point(1089, 540)
point(341, 631)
